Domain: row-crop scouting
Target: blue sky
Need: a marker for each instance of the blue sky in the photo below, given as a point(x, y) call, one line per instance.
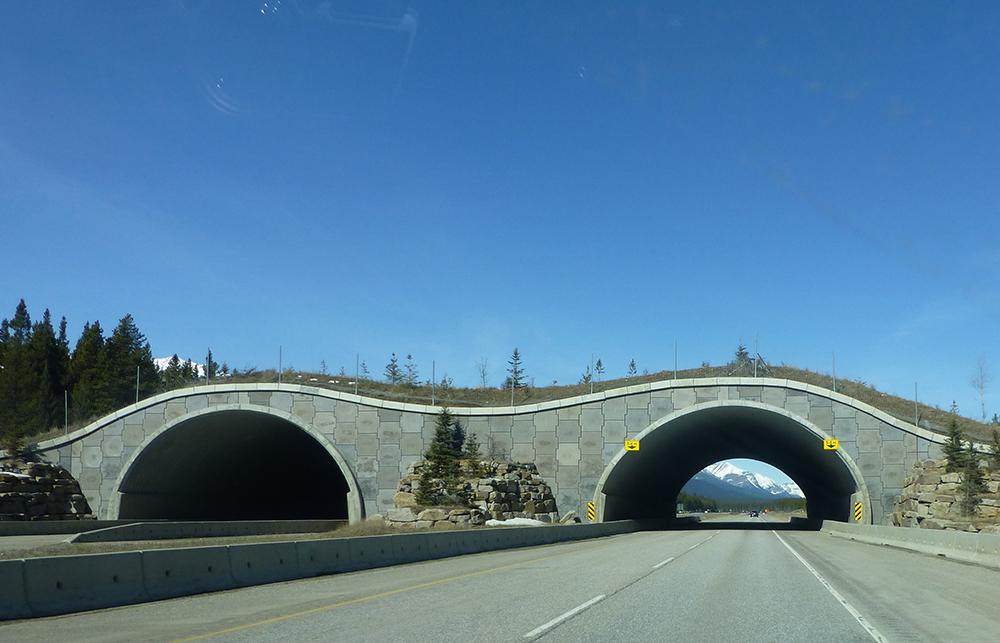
point(452, 180)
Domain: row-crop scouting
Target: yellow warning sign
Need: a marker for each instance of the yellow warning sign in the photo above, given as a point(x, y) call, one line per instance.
point(590, 511)
point(857, 512)
point(631, 445)
point(831, 445)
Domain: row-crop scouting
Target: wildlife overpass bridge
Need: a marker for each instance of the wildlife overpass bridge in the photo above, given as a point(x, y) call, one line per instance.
point(284, 451)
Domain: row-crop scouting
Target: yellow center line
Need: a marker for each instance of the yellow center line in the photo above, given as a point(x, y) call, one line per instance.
point(315, 610)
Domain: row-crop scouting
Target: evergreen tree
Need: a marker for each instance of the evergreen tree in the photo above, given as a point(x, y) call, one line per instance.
point(995, 451)
point(189, 372)
point(516, 371)
point(85, 378)
point(586, 376)
point(441, 462)
point(973, 483)
point(954, 448)
point(125, 353)
point(599, 370)
point(473, 456)
point(173, 374)
point(48, 361)
point(364, 371)
point(410, 376)
point(19, 383)
point(392, 372)
point(211, 366)
point(631, 369)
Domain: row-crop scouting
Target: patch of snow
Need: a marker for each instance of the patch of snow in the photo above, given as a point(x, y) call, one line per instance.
point(526, 522)
point(163, 362)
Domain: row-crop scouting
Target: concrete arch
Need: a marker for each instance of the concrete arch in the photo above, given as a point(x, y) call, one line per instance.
point(268, 419)
point(680, 444)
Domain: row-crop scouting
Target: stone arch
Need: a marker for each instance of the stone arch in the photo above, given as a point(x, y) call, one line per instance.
point(216, 430)
point(675, 447)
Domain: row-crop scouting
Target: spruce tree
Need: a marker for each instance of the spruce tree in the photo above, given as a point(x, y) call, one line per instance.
point(173, 375)
point(48, 361)
point(85, 378)
point(973, 483)
point(599, 370)
point(125, 352)
point(410, 376)
point(19, 383)
point(631, 369)
point(472, 456)
point(516, 371)
point(954, 448)
point(392, 373)
point(211, 366)
point(995, 451)
point(441, 462)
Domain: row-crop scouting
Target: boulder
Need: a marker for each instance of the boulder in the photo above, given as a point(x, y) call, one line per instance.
point(433, 514)
point(401, 514)
point(404, 499)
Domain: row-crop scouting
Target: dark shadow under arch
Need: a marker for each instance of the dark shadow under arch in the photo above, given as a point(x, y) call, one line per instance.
point(644, 484)
point(234, 465)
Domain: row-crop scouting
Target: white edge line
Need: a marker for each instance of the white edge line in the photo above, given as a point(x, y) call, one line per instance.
point(850, 608)
point(559, 619)
point(659, 565)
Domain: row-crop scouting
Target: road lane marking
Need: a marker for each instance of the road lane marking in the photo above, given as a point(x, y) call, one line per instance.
point(672, 558)
point(324, 608)
point(868, 627)
point(559, 619)
point(659, 565)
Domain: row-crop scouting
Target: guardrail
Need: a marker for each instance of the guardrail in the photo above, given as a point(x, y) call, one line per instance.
point(63, 584)
point(980, 549)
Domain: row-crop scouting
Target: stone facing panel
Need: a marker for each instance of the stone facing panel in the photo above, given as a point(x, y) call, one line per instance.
point(571, 444)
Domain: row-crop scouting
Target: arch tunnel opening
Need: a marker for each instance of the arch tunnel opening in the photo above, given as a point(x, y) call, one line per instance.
point(234, 465)
point(644, 484)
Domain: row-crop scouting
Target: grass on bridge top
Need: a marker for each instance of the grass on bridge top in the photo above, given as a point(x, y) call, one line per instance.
point(931, 417)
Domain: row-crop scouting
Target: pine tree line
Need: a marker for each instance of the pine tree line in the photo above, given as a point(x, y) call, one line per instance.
point(39, 374)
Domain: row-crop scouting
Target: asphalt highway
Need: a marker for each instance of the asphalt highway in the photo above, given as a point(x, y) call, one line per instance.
point(689, 586)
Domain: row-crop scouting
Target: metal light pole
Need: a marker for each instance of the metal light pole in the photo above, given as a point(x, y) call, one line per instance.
point(675, 359)
point(137, 384)
point(279, 364)
point(433, 377)
point(833, 354)
point(357, 360)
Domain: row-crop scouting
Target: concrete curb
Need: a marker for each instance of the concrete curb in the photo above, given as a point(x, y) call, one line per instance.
point(203, 529)
point(979, 549)
point(64, 584)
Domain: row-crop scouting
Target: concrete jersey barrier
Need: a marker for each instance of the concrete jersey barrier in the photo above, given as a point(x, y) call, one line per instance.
point(48, 586)
point(980, 549)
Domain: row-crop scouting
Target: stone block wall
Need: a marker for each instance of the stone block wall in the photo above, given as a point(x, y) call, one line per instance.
point(40, 491)
point(571, 441)
point(930, 500)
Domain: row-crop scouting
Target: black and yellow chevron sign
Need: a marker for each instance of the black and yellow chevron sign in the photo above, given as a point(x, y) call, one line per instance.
point(857, 512)
point(590, 511)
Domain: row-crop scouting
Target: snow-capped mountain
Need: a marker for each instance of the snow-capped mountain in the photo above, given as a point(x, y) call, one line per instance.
point(163, 362)
point(747, 480)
